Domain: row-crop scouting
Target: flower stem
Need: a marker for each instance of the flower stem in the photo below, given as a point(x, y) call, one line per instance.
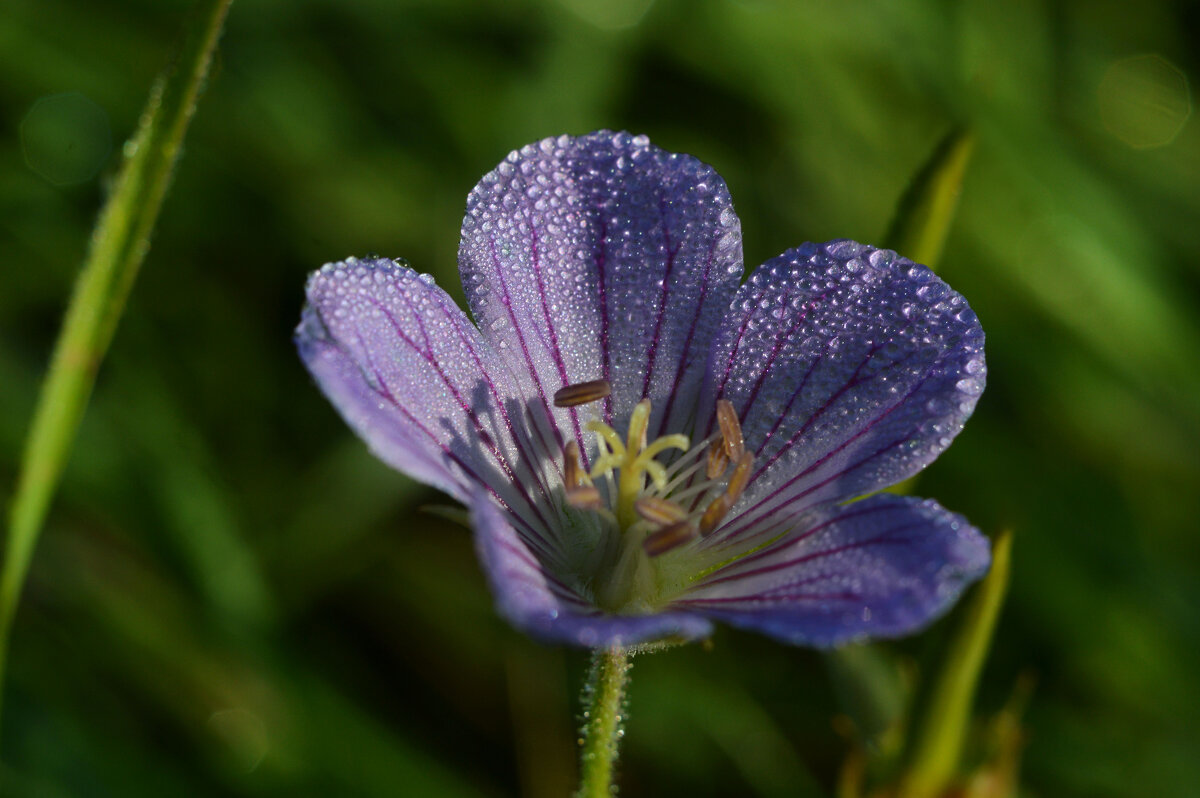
point(119, 243)
point(602, 725)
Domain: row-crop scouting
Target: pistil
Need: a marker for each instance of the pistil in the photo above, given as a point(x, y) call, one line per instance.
point(632, 459)
point(646, 499)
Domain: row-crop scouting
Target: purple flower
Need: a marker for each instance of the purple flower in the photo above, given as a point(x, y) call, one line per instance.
point(645, 443)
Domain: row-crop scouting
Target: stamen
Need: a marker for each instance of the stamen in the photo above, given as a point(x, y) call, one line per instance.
point(715, 512)
point(695, 490)
point(731, 429)
point(571, 469)
point(660, 512)
point(718, 460)
point(740, 477)
point(581, 393)
point(680, 478)
point(585, 497)
point(721, 506)
point(688, 458)
point(669, 537)
point(638, 486)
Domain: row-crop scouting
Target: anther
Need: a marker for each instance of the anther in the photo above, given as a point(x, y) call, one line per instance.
point(731, 429)
point(714, 513)
point(571, 470)
point(718, 461)
point(669, 537)
point(660, 512)
point(581, 393)
point(740, 477)
point(585, 497)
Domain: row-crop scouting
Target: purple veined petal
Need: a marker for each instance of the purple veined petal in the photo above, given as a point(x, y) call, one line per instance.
point(536, 601)
point(882, 567)
point(414, 378)
point(850, 368)
point(602, 256)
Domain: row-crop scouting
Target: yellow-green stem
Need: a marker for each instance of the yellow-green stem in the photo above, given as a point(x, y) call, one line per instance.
point(119, 243)
point(938, 738)
point(604, 698)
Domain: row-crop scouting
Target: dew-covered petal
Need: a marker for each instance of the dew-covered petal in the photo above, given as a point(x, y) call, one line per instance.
point(602, 257)
point(414, 378)
point(544, 605)
point(881, 567)
point(850, 369)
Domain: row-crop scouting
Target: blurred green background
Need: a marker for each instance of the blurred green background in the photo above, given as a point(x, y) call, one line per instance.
point(232, 597)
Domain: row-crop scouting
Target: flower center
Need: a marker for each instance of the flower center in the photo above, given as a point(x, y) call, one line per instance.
point(651, 507)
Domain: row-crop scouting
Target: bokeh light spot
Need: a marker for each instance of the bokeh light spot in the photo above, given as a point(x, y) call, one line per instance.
point(1144, 101)
point(65, 138)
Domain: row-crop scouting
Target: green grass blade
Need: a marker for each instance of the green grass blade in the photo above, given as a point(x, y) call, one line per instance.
point(936, 746)
point(926, 211)
point(119, 244)
point(871, 690)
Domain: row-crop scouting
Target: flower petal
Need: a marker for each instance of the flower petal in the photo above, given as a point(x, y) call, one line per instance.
point(413, 377)
point(850, 369)
point(602, 257)
point(881, 567)
point(535, 601)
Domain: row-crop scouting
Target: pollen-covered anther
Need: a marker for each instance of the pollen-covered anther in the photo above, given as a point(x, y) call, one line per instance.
point(581, 393)
point(659, 512)
point(669, 537)
point(572, 473)
point(585, 497)
point(713, 514)
point(720, 506)
point(718, 460)
point(731, 430)
point(740, 477)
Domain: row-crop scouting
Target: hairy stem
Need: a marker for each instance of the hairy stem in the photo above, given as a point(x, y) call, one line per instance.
point(604, 697)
